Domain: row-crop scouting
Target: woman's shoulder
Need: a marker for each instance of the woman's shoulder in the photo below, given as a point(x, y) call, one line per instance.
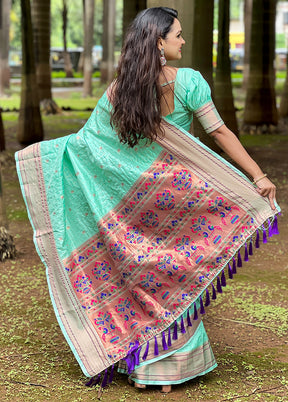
point(187, 73)
point(188, 78)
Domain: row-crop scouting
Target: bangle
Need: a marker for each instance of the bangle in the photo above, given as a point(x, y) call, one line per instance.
point(260, 178)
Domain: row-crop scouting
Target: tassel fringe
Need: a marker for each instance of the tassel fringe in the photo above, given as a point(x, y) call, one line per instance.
point(133, 356)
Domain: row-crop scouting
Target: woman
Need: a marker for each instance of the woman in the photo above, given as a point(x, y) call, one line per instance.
point(134, 218)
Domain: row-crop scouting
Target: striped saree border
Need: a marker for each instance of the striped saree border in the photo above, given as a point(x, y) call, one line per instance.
point(76, 327)
point(193, 359)
point(209, 117)
point(224, 177)
point(182, 339)
point(177, 368)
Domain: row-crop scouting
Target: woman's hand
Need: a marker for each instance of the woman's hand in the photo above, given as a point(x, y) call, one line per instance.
point(267, 189)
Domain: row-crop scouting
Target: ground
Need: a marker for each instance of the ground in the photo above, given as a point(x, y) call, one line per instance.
point(247, 324)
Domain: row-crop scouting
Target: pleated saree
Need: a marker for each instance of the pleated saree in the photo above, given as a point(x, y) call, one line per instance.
point(132, 239)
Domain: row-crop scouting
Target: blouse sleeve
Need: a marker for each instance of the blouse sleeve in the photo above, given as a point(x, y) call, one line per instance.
point(198, 100)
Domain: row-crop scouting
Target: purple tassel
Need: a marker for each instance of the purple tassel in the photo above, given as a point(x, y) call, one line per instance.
point(239, 260)
point(195, 312)
point(105, 379)
point(207, 301)
point(130, 363)
point(111, 374)
point(213, 292)
point(90, 382)
point(230, 273)
point(156, 351)
point(137, 356)
point(93, 381)
point(223, 279)
point(164, 344)
point(257, 243)
point(169, 337)
point(275, 226)
point(234, 270)
point(175, 334)
point(183, 330)
point(188, 319)
point(246, 258)
point(130, 359)
point(270, 233)
point(144, 357)
point(264, 235)
point(219, 287)
point(202, 310)
point(251, 247)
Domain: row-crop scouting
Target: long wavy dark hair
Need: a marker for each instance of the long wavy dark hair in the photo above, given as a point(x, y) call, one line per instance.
point(136, 91)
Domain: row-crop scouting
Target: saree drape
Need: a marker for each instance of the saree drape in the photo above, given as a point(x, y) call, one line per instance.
point(131, 238)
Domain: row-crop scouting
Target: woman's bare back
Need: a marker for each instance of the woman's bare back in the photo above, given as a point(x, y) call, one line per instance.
point(167, 82)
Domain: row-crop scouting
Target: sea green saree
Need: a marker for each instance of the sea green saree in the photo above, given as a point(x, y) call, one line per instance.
point(132, 238)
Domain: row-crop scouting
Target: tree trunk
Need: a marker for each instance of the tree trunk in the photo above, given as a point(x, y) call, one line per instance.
point(130, 9)
point(283, 109)
point(202, 51)
point(260, 104)
point(41, 29)
point(223, 86)
point(67, 60)
point(185, 10)
point(108, 41)
point(30, 128)
point(248, 5)
point(88, 14)
point(202, 32)
point(4, 47)
point(2, 133)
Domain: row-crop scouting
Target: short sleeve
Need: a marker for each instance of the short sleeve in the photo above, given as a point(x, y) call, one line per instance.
point(198, 92)
point(198, 100)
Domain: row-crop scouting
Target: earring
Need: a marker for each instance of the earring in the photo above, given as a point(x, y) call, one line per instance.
point(162, 57)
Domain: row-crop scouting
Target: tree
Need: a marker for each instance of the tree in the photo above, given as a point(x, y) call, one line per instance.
point(247, 40)
point(222, 84)
point(2, 136)
point(108, 41)
point(67, 60)
point(283, 109)
point(5, 6)
point(130, 9)
point(2, 80)
point(260, 104)
point(202, 51)
point(88, 18)
point(7, 247)
point(30, 128)
point(202, 33)
point(41, 29)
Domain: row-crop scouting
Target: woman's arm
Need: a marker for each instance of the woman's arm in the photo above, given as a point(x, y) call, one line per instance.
point(230, 144)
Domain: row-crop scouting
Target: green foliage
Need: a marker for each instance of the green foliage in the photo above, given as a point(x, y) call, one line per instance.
point(15, 26)
point(62, 74)
point(280, 40)
point(235, 9)
point(75, 24)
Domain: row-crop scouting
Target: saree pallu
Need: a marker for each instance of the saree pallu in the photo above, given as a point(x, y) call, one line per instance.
point(131, 238)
